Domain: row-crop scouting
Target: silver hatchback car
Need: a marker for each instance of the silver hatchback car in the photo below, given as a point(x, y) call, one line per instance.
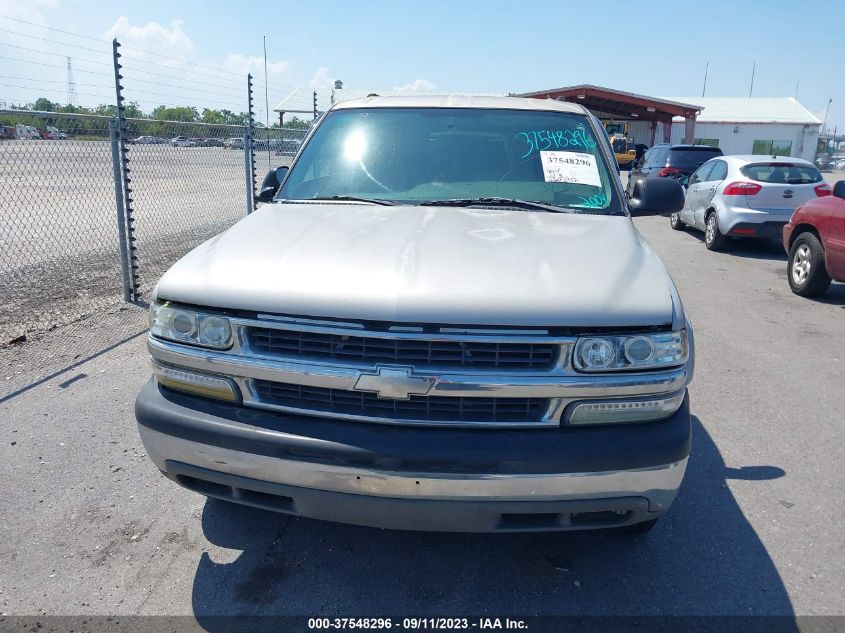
point(747, 196)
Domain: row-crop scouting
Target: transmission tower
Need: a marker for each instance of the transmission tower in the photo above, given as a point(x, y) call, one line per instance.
point(71, 86)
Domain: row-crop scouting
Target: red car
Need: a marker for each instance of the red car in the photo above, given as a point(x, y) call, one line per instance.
point(815, 241)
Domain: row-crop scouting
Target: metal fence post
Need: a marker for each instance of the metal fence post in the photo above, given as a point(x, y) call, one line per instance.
point(248, 173)
point(250, 133)
point(121, 212)
point(129, 216)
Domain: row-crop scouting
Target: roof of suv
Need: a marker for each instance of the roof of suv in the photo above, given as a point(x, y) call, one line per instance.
point(453, 101)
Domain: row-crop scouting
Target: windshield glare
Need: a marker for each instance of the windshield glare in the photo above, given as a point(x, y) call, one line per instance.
point(414, 155)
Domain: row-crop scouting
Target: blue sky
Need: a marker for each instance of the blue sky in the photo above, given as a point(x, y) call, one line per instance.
point(653, 48)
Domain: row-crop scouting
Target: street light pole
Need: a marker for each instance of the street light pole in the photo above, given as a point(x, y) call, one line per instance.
point(824, 123)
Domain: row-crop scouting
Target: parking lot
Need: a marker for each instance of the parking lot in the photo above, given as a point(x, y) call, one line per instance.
point(92, 528)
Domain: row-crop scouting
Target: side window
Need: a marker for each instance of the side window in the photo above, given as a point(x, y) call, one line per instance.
point(719, 172)
point(701, 174)
point(660, 156)
point(646, 159)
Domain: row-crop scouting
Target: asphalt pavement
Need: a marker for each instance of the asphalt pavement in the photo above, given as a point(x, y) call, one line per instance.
point(89, 526)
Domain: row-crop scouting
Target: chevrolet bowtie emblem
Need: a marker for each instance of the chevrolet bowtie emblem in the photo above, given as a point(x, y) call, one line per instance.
point(395, 383)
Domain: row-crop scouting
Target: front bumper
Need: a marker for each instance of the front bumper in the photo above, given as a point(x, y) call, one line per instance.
point(476, 480)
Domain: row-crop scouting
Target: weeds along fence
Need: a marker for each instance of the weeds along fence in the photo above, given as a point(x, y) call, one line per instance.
point(91, 216)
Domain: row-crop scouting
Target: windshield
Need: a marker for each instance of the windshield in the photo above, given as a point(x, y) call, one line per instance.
point(420, 155)
point(691, 158)
point(780, 173)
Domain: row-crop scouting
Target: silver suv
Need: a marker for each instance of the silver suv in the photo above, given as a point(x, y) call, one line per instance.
point(443, 319)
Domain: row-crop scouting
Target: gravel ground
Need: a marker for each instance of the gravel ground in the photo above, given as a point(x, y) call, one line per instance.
point(756, 529)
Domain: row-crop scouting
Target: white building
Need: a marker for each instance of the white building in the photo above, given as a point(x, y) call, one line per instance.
point(744, 125)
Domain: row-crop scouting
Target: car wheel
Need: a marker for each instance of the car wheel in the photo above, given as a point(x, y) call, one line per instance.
point(713, 238)
point(805, 270)
point(676, 223)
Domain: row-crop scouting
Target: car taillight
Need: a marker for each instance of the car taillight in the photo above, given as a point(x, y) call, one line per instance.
point(669, 171)
point(742, 189)
point(823, 190)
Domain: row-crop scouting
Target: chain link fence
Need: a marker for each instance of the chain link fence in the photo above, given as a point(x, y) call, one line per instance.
point(59, 253)
point(188, 184)
point(67, 262)
point(61, 289)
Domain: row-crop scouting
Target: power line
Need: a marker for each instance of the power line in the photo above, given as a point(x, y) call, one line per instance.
point(44, 39)
point(57, 90)
point(35, 50)
point(28, 61)
point(183, 61)
point(211, 92)
point(91, 61)
point(50, 28)
point(96, 39)
point(215, 69)
point(159, 94)
point(51, 81)
point(149, 72)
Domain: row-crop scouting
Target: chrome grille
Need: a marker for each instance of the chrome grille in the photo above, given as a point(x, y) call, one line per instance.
point(403, 351)
point(422, 408)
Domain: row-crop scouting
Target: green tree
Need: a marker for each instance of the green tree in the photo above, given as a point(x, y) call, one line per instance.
point(183, 113)
point(296, 123)
point(45, 105)
point(212, 116)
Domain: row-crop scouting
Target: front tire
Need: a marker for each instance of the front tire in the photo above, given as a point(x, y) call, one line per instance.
point(713, 238)
point(806, 270)
point(676, 223)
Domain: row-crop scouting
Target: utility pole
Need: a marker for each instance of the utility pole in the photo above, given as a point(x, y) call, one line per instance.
point(824, 124)
point(753, 68)
point(797, 83)
point(71, 85)
point(826, 110)
point(704, 87)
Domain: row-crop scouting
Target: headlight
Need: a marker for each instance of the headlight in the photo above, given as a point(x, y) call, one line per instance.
point(190, 326)
point(630, 352)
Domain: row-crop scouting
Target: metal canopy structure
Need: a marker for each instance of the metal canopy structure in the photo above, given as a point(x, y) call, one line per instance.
point(617, 105)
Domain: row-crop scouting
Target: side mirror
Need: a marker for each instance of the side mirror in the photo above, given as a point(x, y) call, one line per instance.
point(656, 195)
point(272, 181)
point(839, 189)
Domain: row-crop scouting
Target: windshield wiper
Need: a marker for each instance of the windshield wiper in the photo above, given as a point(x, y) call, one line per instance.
point(503, 202)
point(356, 199)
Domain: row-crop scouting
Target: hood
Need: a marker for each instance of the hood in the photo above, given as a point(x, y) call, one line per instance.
point(442, 265)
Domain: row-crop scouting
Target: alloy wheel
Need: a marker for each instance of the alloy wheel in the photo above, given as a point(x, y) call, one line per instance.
point(710, 233)
point(801, 264)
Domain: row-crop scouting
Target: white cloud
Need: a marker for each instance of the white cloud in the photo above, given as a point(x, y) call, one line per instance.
point(322, 78)
point(152, 36)
point(242, 64)
point(420, 85)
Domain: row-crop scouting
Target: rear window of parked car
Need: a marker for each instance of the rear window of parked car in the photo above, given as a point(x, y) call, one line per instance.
point(688, 158)
point(782, 173)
